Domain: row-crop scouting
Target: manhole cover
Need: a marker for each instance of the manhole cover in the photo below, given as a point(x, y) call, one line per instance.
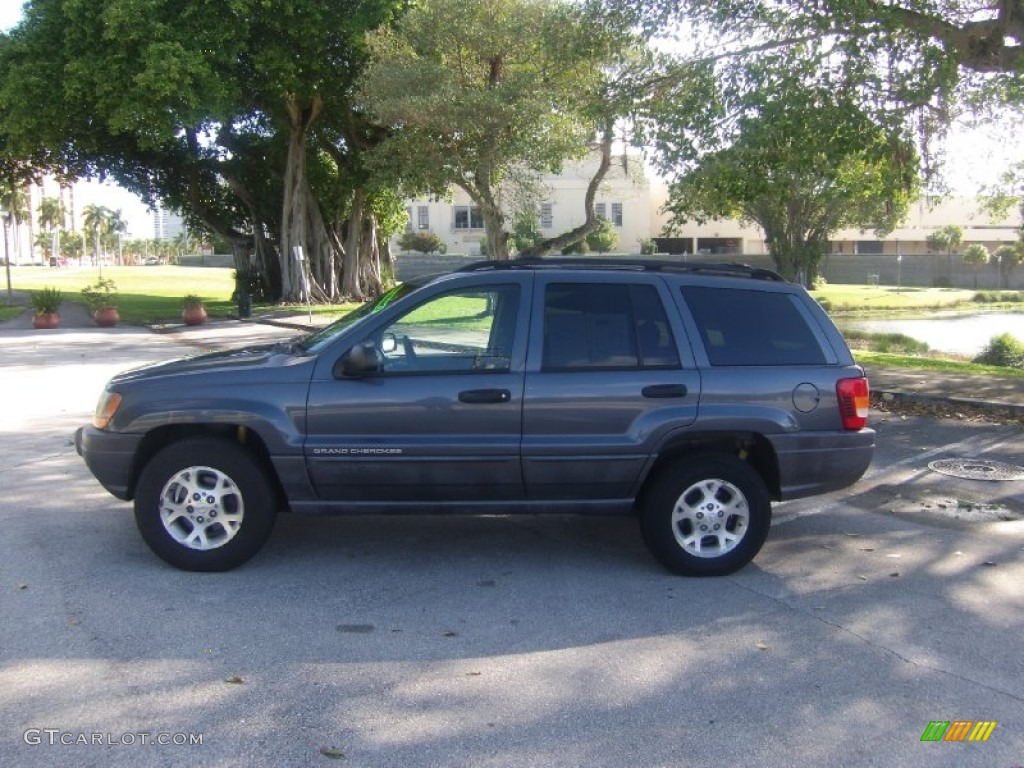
point(977, 469)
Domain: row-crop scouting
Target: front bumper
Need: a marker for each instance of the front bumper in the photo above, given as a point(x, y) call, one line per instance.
point(110, 456)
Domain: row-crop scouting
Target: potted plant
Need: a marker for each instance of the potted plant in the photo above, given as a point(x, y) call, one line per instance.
point(193, 312)
point(46, 301)
point(101, 299)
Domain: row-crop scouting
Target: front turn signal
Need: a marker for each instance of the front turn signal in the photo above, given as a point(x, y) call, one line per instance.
point(105, 409)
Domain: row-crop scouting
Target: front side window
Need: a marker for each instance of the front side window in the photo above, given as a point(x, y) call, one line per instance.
point(748, 327)
point(591, 326)
point(462, 331)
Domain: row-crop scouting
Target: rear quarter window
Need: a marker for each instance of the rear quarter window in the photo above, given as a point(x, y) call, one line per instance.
point(748, 327)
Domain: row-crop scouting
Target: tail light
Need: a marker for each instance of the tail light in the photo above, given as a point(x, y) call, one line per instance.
point(854, 402)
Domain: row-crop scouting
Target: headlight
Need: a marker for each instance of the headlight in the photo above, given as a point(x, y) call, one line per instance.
point(105, 409)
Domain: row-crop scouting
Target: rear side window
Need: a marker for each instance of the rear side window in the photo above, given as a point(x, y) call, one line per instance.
point(590, 326)
point(744, 327)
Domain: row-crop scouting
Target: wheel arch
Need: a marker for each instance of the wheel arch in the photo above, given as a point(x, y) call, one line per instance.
point(160, 437)
point(751, 447)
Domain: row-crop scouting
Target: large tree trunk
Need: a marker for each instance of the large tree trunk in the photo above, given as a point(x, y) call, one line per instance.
point(302, 225)
point(590, 221)
point(350, 283)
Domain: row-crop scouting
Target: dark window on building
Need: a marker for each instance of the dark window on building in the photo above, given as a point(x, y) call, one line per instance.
point(467, 217)
point(591, 326)
point(869, 247)
point(546, 216)
point(617, 214)
point(745, 327)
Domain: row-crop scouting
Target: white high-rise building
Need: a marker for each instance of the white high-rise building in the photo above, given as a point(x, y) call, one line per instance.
point(167, 225)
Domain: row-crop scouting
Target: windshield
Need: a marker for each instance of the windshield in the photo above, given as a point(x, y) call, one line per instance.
point(315, 341)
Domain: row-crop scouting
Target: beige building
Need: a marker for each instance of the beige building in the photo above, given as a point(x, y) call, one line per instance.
point(730, 237)
point(633, 203)
point(624, 198)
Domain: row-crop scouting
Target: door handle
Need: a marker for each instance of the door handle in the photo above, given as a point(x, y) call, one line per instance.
point(476, 396)
point(664, 390)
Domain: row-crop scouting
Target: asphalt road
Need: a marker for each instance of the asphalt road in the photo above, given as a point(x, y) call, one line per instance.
point(500, 641)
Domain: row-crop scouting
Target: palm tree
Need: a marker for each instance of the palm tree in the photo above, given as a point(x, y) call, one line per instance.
point(117, 226)
point(51, 218)
point(975, 255)
point(96, 220)
point(14, 204)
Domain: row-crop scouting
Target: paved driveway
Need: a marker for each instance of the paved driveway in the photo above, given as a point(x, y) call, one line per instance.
point(499, 641)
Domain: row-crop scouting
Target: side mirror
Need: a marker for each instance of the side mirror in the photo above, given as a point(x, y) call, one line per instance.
point(362, 360)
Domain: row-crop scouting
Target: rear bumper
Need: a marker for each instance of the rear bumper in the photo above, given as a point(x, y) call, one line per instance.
point(810, 464)
point(110, 457)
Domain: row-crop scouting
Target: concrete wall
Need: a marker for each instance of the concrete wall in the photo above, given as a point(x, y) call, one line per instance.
point(914, 270)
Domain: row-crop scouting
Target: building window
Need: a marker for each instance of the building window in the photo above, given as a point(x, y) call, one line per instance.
point(546, 216)
point(424, 217)
point(467, 217)
point(868, 247)
point(617, 214)
point(601, 211)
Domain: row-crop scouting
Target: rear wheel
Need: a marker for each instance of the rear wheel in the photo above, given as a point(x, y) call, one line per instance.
point(204, 504)
point(706, 516)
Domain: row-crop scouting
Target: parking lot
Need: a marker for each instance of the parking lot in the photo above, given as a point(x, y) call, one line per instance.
point(500, 641)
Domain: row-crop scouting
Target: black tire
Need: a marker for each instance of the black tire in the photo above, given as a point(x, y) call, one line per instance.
point(706, 515)
point(232, 510)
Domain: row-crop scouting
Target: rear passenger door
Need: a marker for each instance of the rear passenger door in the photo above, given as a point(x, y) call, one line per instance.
point(608, 376)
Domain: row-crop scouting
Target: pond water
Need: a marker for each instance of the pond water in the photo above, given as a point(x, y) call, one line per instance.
point(962, 335)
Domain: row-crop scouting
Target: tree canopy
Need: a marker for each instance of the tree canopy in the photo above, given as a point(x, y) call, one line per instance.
point(238, 114)
point(487, 94)
point(800, 163)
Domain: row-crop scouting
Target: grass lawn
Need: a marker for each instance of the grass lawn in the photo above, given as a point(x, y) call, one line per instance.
point(144, 294)
point(6, 313)
point(939, 364)
point(154, 294)
point(888, 299)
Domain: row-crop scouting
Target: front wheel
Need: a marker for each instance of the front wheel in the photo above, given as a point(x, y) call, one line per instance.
point(204, 504)
point(706, 516)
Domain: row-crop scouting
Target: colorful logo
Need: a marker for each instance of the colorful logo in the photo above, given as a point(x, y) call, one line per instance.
point(959, 730)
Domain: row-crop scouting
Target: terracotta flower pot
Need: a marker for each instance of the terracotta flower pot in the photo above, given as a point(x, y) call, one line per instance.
point(194, 315)
point(46, 320)
point(106, 317)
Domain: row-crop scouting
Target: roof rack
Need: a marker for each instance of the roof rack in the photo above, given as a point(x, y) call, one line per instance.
point(730, 269)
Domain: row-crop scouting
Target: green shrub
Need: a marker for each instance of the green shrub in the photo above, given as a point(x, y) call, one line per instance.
point(46, 300)
point(648, 247)
point(604, 238)
point(997, 297)
point(102, 293)
point(818, 282)
point(1005, 350)
point(893, 343)
point(580, 246)
point(424, 242)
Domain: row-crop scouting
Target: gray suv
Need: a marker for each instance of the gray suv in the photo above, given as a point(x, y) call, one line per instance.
point(688, 395)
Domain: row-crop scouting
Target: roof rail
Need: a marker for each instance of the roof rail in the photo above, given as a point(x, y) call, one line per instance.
point(730, 269)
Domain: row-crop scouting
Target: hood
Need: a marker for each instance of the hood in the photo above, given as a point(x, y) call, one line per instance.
point(266, 356)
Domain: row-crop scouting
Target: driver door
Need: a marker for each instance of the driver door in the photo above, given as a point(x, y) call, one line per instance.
point(439, 420)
